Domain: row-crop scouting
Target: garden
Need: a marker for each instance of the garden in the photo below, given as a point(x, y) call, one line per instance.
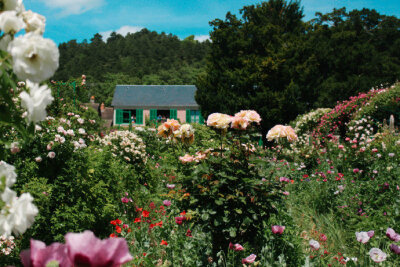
point(324, 190)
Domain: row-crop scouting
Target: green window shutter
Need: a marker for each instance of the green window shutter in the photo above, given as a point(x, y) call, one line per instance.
point(153, 114)
point(119, 117)
point(201, 119)
point(188, 116)
point(139, 116)
point(173, 114)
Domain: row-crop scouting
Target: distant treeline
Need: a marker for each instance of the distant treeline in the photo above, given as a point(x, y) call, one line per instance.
point(144, 57)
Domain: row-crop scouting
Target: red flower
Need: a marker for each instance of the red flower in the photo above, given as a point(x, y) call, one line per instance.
point(118, 229)
point(152, 205)
point(189, 233)
point(113, 235)
point(137, 220)
point(183, 213)
point(179, 220)
point(145, 213)
point(139, 209)
point(163, 242)
point(118, 221)
point(305, 176)
point(113, 222)
point(159, 224)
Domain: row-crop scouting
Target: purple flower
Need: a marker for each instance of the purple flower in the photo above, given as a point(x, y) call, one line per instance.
point(392, 235)
point(277, 229)
point(40, 255)
point(395, 249)
point(166, 203)
point(249, 259)
point(85, 249)
point(371, 233)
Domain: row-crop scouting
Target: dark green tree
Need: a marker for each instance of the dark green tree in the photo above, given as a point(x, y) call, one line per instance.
point(250, 63)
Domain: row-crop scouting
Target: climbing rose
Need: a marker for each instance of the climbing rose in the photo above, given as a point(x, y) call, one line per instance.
point(36, 101)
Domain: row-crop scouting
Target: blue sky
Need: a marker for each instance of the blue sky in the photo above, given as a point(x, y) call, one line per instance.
point(81, 19)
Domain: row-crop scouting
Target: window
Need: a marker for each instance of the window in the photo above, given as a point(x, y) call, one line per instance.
point(195, 116)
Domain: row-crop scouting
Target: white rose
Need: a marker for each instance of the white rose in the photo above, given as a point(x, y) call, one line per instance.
point(4, 41)
point(18, 214)
point(10, 22)
point(7, 171)
point(34, 22)
point(34, 57)
point(36, 101)
point(13, 5)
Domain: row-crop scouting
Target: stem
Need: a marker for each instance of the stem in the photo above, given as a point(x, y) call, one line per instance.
point(221, 141)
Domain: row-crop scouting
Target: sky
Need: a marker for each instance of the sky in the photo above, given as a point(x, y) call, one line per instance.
point(81, 19)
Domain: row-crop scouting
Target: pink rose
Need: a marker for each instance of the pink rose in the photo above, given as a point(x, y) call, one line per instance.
point(277, 229)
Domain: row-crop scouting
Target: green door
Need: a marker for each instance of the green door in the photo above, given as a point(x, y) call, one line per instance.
point(139, 116)
point(188, 117)
point(153, 114)
point(119, 117)
point(173, 114)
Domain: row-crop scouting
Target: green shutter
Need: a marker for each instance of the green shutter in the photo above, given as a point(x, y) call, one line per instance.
point(173, 114)
point(139, 116)
point(119, 117)
point(201, 119)
point(188, 117)
point(153, 114)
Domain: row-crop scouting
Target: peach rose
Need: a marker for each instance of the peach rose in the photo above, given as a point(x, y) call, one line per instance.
point(219, 120)
point(167, 128)
point(240, 123)
point(281, 131)
point(250, 115)
point(187, 158)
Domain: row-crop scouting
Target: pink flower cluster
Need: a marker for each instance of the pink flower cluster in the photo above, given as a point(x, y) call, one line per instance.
point(80, 249)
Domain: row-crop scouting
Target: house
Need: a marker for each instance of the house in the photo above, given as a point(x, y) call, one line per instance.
point(139, 104)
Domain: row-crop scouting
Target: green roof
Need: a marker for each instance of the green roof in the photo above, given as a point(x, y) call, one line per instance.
point(154, 96)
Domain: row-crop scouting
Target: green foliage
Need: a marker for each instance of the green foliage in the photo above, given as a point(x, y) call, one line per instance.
point(229, 197)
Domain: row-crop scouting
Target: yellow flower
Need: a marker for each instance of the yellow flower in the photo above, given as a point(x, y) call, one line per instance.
point(281, 131)
point(219, 120)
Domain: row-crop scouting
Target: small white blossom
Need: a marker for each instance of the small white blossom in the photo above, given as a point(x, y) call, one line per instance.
point(36, 101)
point(10, 23)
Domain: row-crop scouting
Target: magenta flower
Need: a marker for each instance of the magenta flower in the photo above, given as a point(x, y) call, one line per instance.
point(356, 170)
point(249, 259)
point(170, 186)
point(392, 235)
point(238, 247)
point(284, 179)
point(166, 203)
point(40, 255)
point(277, 229)
point(126, 200)
point(85, 249)
point(395, 249)
point(371, 233)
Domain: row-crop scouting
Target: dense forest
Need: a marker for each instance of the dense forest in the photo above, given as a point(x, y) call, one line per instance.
point(144, 57)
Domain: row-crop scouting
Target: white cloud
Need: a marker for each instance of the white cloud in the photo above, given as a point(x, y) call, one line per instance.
point(73, 7)
point(202, 38)
point(124, 30)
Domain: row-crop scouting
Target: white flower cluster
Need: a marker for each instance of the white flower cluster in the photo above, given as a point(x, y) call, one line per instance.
point(6, 244)
point(308, 121)
point(17, 213)
point(33, 58)
point(126, 144)
point(362, 130)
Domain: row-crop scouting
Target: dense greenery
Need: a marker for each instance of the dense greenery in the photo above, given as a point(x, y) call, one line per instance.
point(143, 57)
point(272, 61)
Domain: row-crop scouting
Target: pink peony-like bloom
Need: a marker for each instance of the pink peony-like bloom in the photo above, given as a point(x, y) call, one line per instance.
point(377, 255)
point(341, 146)
point(362, 237)
point(166, 203)
point(314, 244)
point(277, 229)
point(284, 179)
point(40, 255)
point(395, 249)
point(187, 158)
point(85, 249)
point(249, 259)
point(392, 235)
point(236, 247)
point(356, 170)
